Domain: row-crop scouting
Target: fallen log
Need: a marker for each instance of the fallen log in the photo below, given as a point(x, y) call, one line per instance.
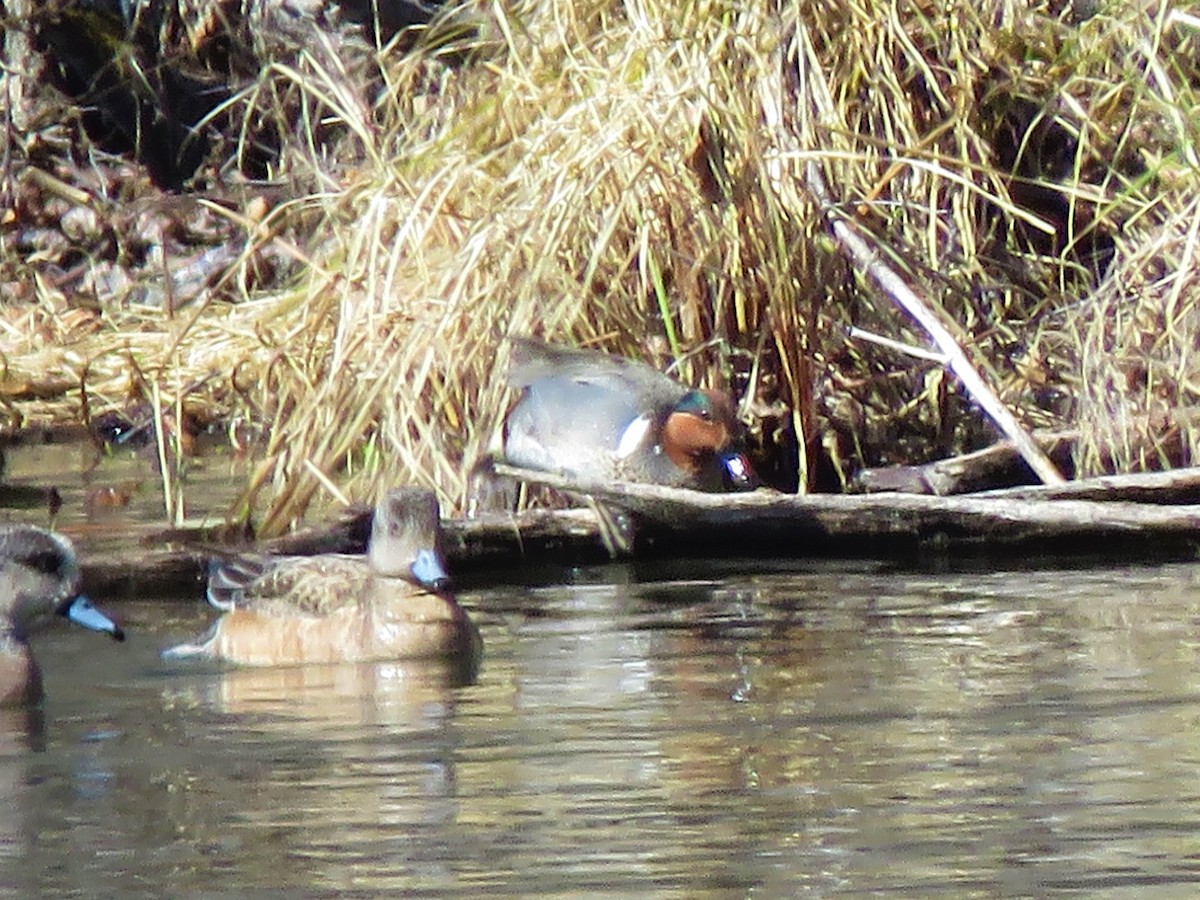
point(175, 561)
point(1136, 516)
point(1175, 486)
point(884, 524)
point(994, 467)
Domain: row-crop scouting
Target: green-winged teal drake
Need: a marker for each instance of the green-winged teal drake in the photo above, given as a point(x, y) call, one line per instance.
point(597, 417)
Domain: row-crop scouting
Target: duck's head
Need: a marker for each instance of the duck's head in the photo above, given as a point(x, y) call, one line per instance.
point(40, 578)
point(406, 539)
point(698, 435)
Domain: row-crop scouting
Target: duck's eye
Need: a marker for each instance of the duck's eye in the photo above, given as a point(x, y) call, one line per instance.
point(701, 409)
point(44, 561)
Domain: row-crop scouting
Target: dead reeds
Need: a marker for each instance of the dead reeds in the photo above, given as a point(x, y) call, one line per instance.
point(616, 175)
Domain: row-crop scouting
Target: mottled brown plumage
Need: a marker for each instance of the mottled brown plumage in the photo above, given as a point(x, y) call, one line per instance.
point(392, 604)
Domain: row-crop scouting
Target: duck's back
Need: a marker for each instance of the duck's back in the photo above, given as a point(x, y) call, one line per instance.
point(307, 586)
point(533, 361)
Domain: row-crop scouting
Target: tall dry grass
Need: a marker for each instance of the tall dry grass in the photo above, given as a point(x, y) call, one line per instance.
point(631, 176)
point(589, 178)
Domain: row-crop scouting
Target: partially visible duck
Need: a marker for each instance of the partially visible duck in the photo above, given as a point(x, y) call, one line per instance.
point(395, 603)
point(39, 579)
point(596, 417)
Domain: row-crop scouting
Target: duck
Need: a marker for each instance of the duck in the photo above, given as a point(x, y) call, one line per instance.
point(395, 603)
point(592, 416)
point(39, 580)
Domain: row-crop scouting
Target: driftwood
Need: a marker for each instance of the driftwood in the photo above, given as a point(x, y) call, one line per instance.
point(175, 562)
point(1175, 487)
point(885, 524)
point(999, 465)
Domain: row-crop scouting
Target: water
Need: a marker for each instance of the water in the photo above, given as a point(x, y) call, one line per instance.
point(638, 731)
point(691, 729)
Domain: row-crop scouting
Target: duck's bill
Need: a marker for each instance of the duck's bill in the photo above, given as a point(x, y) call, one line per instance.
point(81, 611)
point(739, 474)
point(428, 571)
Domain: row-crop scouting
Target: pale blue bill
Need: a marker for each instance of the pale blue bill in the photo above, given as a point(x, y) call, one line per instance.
point(82, 612)
point(428, 571)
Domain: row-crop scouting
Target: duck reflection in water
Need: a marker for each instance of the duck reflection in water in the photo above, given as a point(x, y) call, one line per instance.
point(395, 604)
point(336, 700)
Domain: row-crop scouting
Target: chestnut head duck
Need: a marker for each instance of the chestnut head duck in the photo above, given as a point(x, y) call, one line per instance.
point(593, 416)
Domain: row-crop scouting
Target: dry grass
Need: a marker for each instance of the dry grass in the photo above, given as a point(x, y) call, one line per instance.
point(610, 174)
point(1138, 335)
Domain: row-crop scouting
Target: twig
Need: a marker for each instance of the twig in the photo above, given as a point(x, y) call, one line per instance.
point(160, 445)
point(908, 349)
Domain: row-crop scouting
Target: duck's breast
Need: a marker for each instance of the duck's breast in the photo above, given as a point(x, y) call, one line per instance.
point(412, 624)
point(20, 678)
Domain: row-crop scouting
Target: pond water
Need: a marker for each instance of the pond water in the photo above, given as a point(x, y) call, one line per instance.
point(677, 729)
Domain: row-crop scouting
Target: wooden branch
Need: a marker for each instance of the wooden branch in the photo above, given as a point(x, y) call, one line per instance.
point(1174, 487)
point(1103, 519)
point(175, 562)
point(996, 467)
point(854, 523)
